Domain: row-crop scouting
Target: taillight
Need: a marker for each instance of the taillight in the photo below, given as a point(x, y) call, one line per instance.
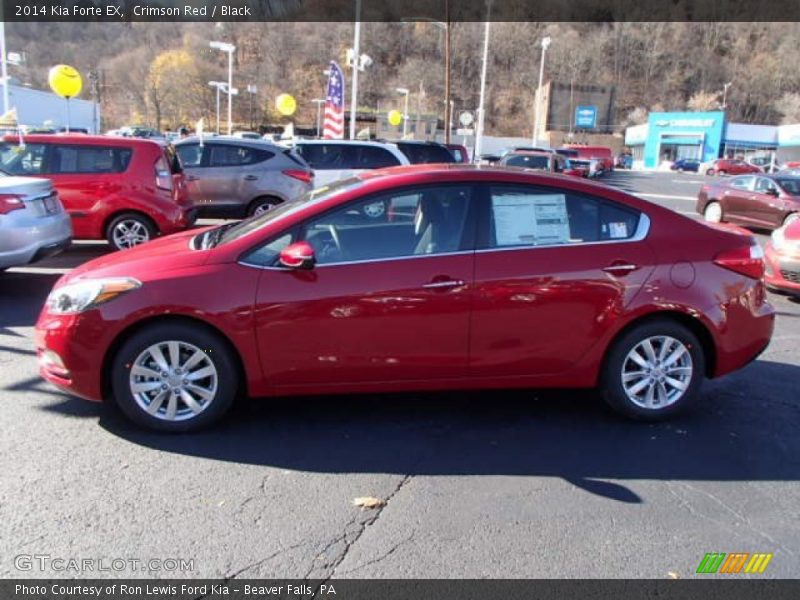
point(9, 202)
point(163, 175)
point(746, 260)
point(304, 176)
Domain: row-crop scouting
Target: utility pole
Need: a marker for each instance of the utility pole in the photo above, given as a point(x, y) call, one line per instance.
point(476, 153)
point(4, 61)
point(538, 99)
point(356, 55)
point(448, 117)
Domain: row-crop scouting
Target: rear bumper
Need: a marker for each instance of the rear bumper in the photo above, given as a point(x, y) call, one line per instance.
point(34, 239)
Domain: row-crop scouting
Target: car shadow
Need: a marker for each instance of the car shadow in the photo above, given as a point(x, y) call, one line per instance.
point(21, 298)
point(744, 428)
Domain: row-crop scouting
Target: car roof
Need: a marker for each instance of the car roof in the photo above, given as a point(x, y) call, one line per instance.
point(229, 140)
point(530, 153)
point(80, 139)
point(379, 144)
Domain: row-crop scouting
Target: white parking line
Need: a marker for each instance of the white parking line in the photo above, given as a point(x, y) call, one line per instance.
point(695, 181)
point(666, 196)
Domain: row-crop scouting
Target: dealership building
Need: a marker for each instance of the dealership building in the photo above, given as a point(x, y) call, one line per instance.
point(668, 136)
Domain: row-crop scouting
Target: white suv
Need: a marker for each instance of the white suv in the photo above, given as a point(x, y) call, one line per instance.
point(339, 159)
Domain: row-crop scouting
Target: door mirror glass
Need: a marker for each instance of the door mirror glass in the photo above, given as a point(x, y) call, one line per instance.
point(299, 255)
point(772, 191)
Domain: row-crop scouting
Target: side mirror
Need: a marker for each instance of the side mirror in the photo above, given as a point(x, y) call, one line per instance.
point(773, 192)
point(299, 255)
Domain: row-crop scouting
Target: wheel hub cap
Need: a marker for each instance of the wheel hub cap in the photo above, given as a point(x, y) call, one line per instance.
point(657, 372)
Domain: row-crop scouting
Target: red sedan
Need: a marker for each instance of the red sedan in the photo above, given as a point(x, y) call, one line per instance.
point(731, 166)
point(495, 278)
point(783, 259)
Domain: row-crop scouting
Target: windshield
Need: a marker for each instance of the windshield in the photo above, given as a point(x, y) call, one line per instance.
point(234, 232)
point(790, 186)
point(529, 162)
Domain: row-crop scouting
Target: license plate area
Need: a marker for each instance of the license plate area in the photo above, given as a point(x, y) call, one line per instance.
point(51, 204)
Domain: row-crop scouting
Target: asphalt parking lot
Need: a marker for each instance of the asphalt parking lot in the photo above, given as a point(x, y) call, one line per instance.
point(512, 484)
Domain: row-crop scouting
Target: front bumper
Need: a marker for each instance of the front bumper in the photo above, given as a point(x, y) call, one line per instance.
point(783, 272)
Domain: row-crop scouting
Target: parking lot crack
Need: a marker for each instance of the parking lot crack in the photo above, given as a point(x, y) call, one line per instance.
point(352, 532)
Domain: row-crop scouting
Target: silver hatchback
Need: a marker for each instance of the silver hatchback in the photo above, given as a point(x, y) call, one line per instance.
point(33, 223)
point(233, 177)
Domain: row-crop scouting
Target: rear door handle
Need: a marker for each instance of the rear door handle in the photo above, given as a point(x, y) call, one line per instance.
point(448, 283)
point(621, 268)
point(250, 177)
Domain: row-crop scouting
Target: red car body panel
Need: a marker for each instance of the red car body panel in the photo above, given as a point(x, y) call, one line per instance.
point(783, 266)
point(521, 318)
point(93, 199)
point(460, 152)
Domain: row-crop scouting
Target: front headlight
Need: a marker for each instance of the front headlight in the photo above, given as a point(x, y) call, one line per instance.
point(81, 296)
point(778, 241)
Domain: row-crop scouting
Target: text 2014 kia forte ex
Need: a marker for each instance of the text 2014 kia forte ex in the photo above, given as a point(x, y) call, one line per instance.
point(471, 278)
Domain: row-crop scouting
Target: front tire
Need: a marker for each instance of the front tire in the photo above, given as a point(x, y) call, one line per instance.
point(261, 205)
point(653, 371)
point(713, 212)
point(128, 230)
point(174, 377)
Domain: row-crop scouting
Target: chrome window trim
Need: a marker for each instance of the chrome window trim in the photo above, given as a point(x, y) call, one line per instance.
point(642, 230)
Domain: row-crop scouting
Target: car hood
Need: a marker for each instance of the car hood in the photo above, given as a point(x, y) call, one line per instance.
point(145, 261)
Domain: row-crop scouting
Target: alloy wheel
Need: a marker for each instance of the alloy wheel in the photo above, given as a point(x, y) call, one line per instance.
point(173, 380)
point(129, 233)
point(713, 212)
point(657, 372)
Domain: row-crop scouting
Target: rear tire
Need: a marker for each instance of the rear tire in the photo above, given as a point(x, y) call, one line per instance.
point(174, 377)
point(653, 371)
point(710, 172)
point(130, 229)
point(262, 205)
point(713, 212)
point(722, 173)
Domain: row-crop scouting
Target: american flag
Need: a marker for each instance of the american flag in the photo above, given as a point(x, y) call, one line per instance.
point(333, 127)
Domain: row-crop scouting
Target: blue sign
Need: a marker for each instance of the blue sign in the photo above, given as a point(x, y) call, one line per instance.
point(586, 117)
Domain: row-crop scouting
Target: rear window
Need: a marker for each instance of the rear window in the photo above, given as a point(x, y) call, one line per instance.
point(790, 186)
point(418, 154)
point(22, 160)
point(529, 162)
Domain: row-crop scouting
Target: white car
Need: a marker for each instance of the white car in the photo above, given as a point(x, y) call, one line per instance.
point(339, 159)
point(33, 222)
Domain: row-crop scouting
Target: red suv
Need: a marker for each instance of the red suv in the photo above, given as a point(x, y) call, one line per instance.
point(489, 278)
point(125, 190)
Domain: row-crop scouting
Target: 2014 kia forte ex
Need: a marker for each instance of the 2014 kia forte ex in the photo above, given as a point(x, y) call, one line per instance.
point(472, 278)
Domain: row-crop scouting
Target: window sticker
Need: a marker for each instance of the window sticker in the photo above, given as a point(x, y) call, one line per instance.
point(618, 230)
point(522, 219)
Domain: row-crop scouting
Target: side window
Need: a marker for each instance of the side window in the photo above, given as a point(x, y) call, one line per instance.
point(323, 157)
point(22, 160)
point(191, 155)
point(414, 222)
point(742, 183)
point(267, 254)
point(88, 159)
point(372, 157)
point(523, 216)
point(763, 185)
point(228, 155)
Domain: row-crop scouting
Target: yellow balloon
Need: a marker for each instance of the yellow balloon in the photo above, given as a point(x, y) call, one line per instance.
point(395, 117)
point(65, 81)
point(286, 104)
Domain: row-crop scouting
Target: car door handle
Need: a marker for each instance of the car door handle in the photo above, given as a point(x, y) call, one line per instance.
point(250, 177)
point(620, 268)
point(448, 283)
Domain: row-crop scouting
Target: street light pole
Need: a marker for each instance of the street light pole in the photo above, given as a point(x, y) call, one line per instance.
point(481, 112)
point(230, 49)
point(448, 115)
point(537, 100)
point(405, 92)
point(319, 102)
point(356, 55)
point(3, 60)
point(725, 87)
point(219, 85)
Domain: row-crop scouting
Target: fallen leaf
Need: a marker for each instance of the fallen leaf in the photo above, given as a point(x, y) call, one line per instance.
point(369, 502)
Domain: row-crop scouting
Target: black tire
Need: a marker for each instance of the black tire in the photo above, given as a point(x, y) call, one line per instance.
point(722, 173)
point(710, 172)
point(137, 220)
point(217, 354)
point(262, 204)
point(611, 382)
point(790, 218)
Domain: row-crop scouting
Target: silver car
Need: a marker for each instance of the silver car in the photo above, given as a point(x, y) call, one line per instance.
point(33, 223)
point(232, 177)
